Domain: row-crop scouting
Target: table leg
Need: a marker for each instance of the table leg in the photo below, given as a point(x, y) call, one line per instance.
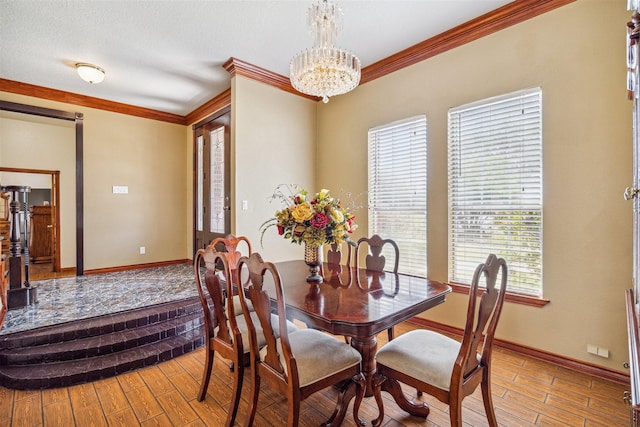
point(418, 409)
point(367, 347)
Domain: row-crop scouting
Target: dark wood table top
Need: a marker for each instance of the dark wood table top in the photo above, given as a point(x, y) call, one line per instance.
point(356, 302)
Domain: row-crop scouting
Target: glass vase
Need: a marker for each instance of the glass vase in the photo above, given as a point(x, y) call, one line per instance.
point(313, 258)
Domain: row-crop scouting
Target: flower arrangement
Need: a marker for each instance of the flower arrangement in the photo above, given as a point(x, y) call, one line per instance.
point(314, 221)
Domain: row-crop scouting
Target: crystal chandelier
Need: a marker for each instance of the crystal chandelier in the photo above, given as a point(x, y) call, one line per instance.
point(324, 70)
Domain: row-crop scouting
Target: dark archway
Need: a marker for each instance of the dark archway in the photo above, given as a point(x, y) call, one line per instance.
point(77, 118)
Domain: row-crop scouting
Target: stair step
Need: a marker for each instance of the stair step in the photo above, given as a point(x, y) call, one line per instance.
point(100, 325)
point(72, 372)
point(100, 347)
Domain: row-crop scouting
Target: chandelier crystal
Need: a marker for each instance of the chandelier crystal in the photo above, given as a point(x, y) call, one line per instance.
point(324, 70)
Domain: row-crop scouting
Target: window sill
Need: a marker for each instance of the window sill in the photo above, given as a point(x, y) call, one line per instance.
point(510, 296)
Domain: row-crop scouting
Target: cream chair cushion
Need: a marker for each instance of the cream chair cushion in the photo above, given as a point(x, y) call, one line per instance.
point(422, 354)
point(244, 330)
point(317, 354)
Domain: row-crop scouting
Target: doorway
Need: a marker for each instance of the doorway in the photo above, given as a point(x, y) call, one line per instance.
point(44, 221)
point(76, 214)
point(212, 199)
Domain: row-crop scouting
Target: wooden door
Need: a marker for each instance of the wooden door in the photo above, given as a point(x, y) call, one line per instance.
point(212, 199)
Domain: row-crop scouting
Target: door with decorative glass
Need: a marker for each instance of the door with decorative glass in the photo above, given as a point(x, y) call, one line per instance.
point(212, 200)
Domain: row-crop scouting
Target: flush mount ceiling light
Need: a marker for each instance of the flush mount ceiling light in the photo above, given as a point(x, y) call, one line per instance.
point(324, 70)
point(90, 73)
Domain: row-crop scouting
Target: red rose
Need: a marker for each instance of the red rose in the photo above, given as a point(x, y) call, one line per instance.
point(319, 221)
point(280, 230)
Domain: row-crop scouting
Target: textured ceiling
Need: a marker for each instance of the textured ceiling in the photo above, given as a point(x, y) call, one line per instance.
point(168, 55)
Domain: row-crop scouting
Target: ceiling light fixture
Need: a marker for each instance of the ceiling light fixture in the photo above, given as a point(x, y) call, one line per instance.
point(324, 70)
point(90, 73)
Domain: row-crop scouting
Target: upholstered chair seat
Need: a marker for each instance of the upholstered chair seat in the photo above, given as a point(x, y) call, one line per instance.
point(244, 329)
point(318, 355)
point(433, 364)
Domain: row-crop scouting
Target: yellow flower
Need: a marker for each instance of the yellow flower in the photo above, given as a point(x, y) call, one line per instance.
point(302, 212)
point(337, 215)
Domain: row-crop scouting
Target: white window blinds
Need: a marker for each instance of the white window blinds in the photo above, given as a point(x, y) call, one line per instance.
point(495, 188)
point(398, 190)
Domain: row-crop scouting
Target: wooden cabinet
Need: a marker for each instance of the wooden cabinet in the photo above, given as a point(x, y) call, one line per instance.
point(41, 234)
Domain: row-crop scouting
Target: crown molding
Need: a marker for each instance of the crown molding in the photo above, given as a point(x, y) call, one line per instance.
point(239, 67)
point(210, 107)
point(87, 101)
point(484, 25)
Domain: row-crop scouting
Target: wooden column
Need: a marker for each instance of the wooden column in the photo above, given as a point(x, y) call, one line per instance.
point(19, 294)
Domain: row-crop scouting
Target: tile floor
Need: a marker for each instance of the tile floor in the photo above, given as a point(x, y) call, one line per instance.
point(64, 299)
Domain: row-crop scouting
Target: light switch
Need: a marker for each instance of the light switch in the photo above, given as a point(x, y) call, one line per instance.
point(120, 189)
point(245, 205)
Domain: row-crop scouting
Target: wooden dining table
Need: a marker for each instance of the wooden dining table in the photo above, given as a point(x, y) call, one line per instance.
point(359, 304)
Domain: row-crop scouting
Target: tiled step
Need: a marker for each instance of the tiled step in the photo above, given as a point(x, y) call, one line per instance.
point(100, 325)
point(100, 344)
point(100, 347)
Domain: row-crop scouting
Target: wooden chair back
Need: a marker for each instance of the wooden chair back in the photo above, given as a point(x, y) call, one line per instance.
point(221, 314)
point(337, 274)
point(271, 365)
point(374, 260)
point(335, 252)
point(375, 264)
point(222, 334)
point(481, 324)
point(229, 244)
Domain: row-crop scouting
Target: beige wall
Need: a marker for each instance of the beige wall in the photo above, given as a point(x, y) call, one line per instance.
point(576, 55)
point(273, 142)
point(141, 154)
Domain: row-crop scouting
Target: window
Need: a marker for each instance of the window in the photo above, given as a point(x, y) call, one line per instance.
point(398, 190)
point(495, 188)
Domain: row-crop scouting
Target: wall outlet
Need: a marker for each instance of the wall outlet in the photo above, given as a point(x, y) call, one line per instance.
point(598, 351)
point(120, 189)
point(143, 250)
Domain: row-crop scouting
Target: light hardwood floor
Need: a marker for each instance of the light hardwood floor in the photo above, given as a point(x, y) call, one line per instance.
point(526, 392)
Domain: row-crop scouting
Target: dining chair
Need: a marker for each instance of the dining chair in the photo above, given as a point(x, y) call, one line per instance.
point(226, 330)
point(335, 252)
point(375, 261)
point(335, 269)
point(222, 332)
point(441, 366)
point(297, 363)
